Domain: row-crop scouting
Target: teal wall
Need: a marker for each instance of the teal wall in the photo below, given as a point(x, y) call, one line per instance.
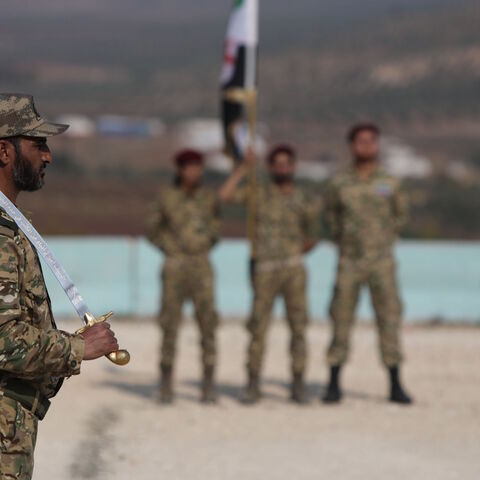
point(438, 280)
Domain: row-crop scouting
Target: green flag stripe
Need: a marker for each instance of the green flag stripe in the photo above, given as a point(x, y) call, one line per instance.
point(238, 3)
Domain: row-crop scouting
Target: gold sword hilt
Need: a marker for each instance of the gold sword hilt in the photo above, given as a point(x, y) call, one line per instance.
point(120, 357)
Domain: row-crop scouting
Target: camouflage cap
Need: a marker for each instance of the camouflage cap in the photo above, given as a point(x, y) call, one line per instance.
point(18, 116)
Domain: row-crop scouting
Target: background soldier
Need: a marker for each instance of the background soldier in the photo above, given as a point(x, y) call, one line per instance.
point(365, 210)
point(285, 229)
point(184, 223)
point(35, 356)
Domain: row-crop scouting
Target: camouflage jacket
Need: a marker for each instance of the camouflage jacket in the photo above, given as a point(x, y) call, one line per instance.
point(283, 222)
point(182, 224)
point(31, 347)
point(365, 216)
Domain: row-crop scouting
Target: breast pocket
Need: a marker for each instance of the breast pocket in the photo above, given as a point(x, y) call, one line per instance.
point(352, 201)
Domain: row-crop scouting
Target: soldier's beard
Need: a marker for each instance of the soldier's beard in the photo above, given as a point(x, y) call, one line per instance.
point(190, 185)
point(362, 159)
point(282, 178)
point(24, 175)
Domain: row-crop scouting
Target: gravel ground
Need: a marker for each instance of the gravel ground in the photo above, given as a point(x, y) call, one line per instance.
point(105, 423)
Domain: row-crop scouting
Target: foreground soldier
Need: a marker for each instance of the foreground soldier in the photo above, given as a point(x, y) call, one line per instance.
point(365, 210)
point(184, 224)
point(35, 357)
point(285, 229)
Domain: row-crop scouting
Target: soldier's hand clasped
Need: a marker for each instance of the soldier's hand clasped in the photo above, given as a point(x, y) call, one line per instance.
point(99, 341)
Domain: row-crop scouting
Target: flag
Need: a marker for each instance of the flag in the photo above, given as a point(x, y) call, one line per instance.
point(239, 74)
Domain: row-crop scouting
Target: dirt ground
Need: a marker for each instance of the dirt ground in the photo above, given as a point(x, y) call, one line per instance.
point(105, 424)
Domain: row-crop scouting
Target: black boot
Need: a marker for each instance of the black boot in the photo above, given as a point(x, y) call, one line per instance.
point(208, 388)
point(252, 392)
point(334, 393)
point(397, 393)
point(165, 395)
point(299, 392)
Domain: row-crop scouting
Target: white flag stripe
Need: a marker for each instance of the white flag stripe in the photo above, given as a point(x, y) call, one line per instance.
point(243, 24)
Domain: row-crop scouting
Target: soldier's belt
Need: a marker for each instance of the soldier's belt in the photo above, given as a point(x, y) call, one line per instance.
point(187, 257)
point(271, 265)
point(29, 397)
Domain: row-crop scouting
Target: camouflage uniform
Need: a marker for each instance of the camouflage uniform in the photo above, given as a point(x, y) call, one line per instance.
point(283, 222)
point(364, 217)
point(185, 227)
point(32, 350)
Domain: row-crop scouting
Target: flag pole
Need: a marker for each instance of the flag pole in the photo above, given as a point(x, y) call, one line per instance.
point(239, 87)
point(252, 101)
point(252, 174)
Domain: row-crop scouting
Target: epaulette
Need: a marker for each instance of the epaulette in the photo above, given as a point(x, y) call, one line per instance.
point(7, 226)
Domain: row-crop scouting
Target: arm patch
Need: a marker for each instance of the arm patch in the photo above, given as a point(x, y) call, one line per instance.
point(7, 226)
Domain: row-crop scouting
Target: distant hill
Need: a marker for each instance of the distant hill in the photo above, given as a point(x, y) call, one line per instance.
point(318, 58)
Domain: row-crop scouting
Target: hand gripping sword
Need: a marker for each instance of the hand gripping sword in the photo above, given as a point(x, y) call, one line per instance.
point(120, 357)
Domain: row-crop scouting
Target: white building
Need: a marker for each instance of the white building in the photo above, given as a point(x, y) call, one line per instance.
point(80, 126)
point(402, 161)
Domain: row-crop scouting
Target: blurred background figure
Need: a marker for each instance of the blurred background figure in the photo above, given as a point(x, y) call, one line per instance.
point(365, 210)
point(184, 224)
point(286, 221)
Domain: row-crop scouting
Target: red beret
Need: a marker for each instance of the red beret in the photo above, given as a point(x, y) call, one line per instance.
point(362, 127)
point(279, 149)
point(186, 157)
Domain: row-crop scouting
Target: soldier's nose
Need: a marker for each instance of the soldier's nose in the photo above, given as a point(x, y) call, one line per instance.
point(47, 157)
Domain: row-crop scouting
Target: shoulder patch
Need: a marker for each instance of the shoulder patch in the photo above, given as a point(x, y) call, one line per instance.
point(7, 225)
point(384, 189)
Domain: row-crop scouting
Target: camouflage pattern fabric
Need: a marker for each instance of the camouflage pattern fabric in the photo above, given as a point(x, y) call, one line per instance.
point(188, 278)
point(380, 278)
point(18, 435)
point(186, 227)
point(364, 218)
point(288, 281)
point(283, 221)
point(19, 116)
point(282, 225)
point(181, 224)
point(31, 347)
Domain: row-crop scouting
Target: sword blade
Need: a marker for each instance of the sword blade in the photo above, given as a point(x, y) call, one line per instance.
point(50, 259)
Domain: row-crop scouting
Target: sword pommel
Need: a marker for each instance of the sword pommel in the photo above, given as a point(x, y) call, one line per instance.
point(120, 357)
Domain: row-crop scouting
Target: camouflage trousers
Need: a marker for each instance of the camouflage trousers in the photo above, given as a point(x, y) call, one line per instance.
point(188, 279)
point(18, 435)
point(288, 281)
point(379, 276)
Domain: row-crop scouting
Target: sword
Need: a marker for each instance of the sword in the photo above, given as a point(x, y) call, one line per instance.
point(120, 357)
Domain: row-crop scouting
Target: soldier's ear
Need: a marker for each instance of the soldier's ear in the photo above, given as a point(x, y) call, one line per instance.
point(4, 153)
